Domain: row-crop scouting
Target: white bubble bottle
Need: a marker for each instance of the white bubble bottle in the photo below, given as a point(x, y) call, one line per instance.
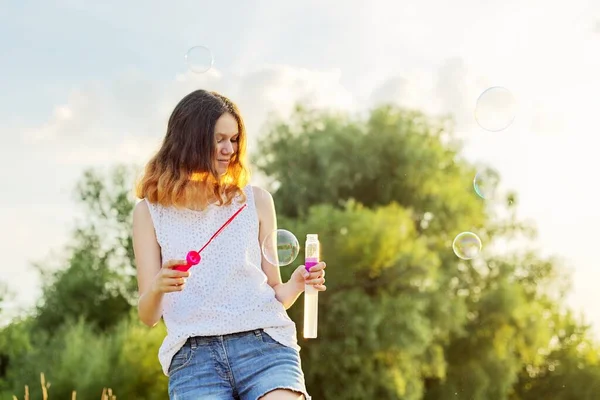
point(311, 295)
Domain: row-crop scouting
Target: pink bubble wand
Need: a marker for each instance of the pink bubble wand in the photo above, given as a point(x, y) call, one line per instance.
point(193, 257)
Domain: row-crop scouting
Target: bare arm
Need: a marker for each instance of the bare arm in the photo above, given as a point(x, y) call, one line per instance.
point(153, 281)
point(147, 260)
point(287, 293)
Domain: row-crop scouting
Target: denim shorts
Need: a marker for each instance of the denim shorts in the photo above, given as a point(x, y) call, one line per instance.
point(239, 366)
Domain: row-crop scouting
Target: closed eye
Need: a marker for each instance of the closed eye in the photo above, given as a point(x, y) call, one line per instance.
point(234, 139)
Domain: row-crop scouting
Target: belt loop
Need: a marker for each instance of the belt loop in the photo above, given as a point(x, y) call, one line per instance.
point(194, 342)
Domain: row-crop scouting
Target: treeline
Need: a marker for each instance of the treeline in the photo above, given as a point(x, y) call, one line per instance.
point(403, 317)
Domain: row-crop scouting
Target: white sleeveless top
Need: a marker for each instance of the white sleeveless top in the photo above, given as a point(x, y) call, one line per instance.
point(227, 292)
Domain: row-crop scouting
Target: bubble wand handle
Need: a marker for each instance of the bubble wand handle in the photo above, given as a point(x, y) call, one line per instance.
point(194, 257)
point(311, 295)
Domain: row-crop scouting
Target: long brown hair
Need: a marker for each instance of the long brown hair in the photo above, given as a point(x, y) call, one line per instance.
point(182, 173)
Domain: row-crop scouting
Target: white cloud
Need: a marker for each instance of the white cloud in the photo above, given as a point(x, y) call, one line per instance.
point(101, 112)
point(411, 90)
point(125, 121)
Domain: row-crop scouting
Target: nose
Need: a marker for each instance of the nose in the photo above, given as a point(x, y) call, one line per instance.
point(227, 148)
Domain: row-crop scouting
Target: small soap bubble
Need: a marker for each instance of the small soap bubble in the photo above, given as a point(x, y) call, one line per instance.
point(481, 184)
point(280, 247)
point(495, 109)
point(466, 245)
point(199, 59)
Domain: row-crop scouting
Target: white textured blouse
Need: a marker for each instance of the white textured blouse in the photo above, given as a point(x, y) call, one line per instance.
point(227, 292)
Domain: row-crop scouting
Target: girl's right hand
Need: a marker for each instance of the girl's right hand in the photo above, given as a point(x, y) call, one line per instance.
point(170, 280)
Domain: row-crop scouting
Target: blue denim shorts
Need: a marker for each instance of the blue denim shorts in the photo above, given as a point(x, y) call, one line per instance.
point(239, 366)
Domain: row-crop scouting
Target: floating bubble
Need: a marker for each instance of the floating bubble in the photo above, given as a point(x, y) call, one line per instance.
point(280, 247)
point(466, 245)
point(495, 109)
point(199, 59)
point(482, 185)
point(485, 183)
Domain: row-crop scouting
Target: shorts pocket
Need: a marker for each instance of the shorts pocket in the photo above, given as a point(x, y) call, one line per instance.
point(266, 338)
point(181, 359)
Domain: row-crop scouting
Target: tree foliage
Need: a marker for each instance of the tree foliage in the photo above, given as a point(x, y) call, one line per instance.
point(96, 278)
point(402, 318)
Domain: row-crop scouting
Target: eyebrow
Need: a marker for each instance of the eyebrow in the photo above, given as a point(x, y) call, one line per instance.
point(228, 134)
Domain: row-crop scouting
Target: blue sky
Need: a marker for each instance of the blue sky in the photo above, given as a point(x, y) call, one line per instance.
point(92, 84)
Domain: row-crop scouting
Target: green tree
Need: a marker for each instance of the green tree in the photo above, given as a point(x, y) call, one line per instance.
point(96, 278)
point(85, 334)
point(78, 357)
point(16, 346)
point(93, 280)
point(403, 317)
point(394, 155)
point(507, 324)
point(570, 368)
point(376, 338)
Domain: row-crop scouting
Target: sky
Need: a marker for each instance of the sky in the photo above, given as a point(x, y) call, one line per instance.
point(89, 84)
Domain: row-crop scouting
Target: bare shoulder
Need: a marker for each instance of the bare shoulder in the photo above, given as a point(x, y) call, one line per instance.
point(142, 219)
point(145, 243)
point(262, 197)
point(141, 212)
point(264, 202)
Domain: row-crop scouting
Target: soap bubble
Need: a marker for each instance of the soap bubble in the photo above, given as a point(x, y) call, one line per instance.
point(495, 109)
point(199, 59)
point(466, 245)
point(485, 183)
point(280, 247)
point(482, 185)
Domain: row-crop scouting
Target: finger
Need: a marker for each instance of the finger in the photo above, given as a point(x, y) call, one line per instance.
point(315, 275)
point(318, 281)
point(173, 263)
point(175, 281)
point(318, 267)
point(320, 288)
point(171, 289)
point(173, 273)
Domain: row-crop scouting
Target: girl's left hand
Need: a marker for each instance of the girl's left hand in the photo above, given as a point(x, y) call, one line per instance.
point(315, 277)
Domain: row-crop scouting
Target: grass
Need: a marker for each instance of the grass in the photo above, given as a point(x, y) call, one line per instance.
point(107, 393)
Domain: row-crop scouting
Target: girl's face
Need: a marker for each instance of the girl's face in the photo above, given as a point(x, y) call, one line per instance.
point(226, 139)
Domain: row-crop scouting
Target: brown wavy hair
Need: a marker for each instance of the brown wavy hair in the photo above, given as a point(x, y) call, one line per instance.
point(183, 173)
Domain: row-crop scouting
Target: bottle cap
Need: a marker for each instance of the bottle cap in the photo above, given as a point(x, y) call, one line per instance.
point(312, 236)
